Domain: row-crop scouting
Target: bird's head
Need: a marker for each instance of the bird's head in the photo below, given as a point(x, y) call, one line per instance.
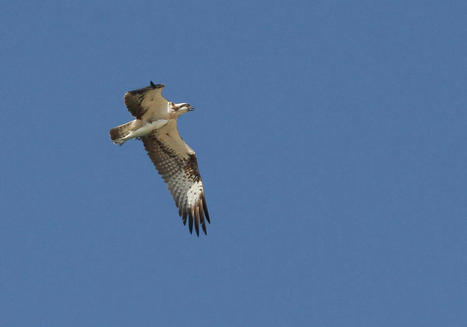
point(180, 108)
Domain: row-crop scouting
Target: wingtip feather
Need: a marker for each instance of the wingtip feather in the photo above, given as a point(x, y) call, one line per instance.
point(205, 208)
point(196, 214)
point(190, 222)
point(201, 216)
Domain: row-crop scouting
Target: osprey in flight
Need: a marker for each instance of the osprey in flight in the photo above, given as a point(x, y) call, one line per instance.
point(156, 126)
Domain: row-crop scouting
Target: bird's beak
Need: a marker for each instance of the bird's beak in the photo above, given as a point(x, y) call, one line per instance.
point(190, 108)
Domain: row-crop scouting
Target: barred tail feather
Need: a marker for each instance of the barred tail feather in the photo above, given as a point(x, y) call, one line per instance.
point(118, 133)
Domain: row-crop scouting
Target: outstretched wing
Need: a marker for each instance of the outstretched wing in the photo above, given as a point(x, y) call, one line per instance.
point(177, 164)
point(146, 99)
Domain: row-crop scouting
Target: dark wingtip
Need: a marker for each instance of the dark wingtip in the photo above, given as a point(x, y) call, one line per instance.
point(197, 220)
point(156, 86)
point(205, 207)
point(201, 217)
point(190, 223)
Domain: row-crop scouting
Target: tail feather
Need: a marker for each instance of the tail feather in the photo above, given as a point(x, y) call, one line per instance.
point(119, 132)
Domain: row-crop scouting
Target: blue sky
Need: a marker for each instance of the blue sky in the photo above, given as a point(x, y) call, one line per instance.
point(331, 137)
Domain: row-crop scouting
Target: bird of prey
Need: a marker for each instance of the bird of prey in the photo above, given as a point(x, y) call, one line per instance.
point(156, 126)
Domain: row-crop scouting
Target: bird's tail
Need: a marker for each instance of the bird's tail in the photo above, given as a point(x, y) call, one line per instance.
point(118, 134)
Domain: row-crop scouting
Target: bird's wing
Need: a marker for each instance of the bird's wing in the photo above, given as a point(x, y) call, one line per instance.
point(177, 164)
point(146, 99)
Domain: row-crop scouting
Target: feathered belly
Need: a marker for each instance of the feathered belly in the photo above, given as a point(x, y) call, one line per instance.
point(145, 129)
point(148, 128)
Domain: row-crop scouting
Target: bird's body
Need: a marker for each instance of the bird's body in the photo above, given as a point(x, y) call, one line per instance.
point(156, 126)
point(136, 128)
point(151, 109)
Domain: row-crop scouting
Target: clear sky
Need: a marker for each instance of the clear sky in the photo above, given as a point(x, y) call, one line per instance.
point(331, 137)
